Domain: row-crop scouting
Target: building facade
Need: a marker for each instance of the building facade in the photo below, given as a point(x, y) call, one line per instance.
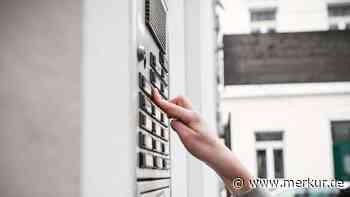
point(263, 16)
point(287, 98)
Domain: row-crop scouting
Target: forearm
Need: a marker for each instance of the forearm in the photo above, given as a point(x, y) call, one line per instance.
point(194, 134)
point(227, 165)
point(254, 192)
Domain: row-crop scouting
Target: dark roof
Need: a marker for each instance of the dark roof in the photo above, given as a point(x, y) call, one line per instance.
point(287, 57)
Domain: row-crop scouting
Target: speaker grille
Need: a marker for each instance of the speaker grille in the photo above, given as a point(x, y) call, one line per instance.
point(156, 16)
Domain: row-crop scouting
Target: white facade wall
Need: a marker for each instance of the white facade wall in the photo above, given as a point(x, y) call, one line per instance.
point(292, 15)
point(302, 111)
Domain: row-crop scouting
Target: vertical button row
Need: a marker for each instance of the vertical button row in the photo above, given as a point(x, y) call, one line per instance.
point(162, 87)
point(162, 73)
point(155, 66)
point(159, 76)
point(144, 85)
point(145, 122)
point(153, 139)
point(163, 61)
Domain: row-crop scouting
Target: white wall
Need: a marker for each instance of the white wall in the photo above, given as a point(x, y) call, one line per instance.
point(40, 57)
point(178, 83)
point(200, 75)
point(305, 119)
point(299, 15)
point(109, 104)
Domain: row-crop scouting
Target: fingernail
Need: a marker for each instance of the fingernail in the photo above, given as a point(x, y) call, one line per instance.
point(172, 123)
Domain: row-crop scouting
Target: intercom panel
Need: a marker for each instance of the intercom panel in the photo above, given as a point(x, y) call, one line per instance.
point(153, 148)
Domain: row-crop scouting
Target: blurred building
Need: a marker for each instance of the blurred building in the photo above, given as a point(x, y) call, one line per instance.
point(69, 92)
point(263, 16)
point(288, 98)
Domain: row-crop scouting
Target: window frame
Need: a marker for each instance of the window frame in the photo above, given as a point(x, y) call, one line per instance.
point(261, 11)
point(347, 26)
point(333, 27)
point(332, 13)
point(269, 146)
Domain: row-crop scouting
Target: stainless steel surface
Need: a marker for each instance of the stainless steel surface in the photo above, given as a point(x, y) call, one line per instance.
point(153, 170)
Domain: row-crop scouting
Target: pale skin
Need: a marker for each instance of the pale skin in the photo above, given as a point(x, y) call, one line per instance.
point(199, 141)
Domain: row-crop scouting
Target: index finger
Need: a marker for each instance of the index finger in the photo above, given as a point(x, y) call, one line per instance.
point(172, 109)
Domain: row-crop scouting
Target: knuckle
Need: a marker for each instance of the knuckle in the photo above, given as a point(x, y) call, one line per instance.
point(181, 97)
point(195, 116)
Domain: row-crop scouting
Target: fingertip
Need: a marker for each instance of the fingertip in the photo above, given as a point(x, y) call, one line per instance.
point(173, 124)
point(155, 94)
point(171, 109)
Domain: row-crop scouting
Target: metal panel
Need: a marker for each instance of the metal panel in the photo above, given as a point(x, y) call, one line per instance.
point(153, 150)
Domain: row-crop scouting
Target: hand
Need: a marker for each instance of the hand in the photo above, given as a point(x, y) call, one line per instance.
point(194, 134)
point(189, 126)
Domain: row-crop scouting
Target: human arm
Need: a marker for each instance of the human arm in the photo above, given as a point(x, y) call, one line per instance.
point(201, 143)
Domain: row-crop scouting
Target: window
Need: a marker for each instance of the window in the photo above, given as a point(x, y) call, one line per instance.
point(269, 154)
point(261, 163)
point(263, 15)
point(268, 136)
point(263, 20)
point(333, 27)
point(341, 149)
point(278, 163)
point(347, 26)
point(256, 31)
point(338, 10)
point(271, 30)
point(341, 131)
point(339, 16)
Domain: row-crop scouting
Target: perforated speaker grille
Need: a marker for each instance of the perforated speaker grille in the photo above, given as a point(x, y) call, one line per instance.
point(156, 16)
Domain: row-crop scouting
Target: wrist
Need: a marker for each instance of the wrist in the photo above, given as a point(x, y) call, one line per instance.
point(220, 153)
point(227, 165)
